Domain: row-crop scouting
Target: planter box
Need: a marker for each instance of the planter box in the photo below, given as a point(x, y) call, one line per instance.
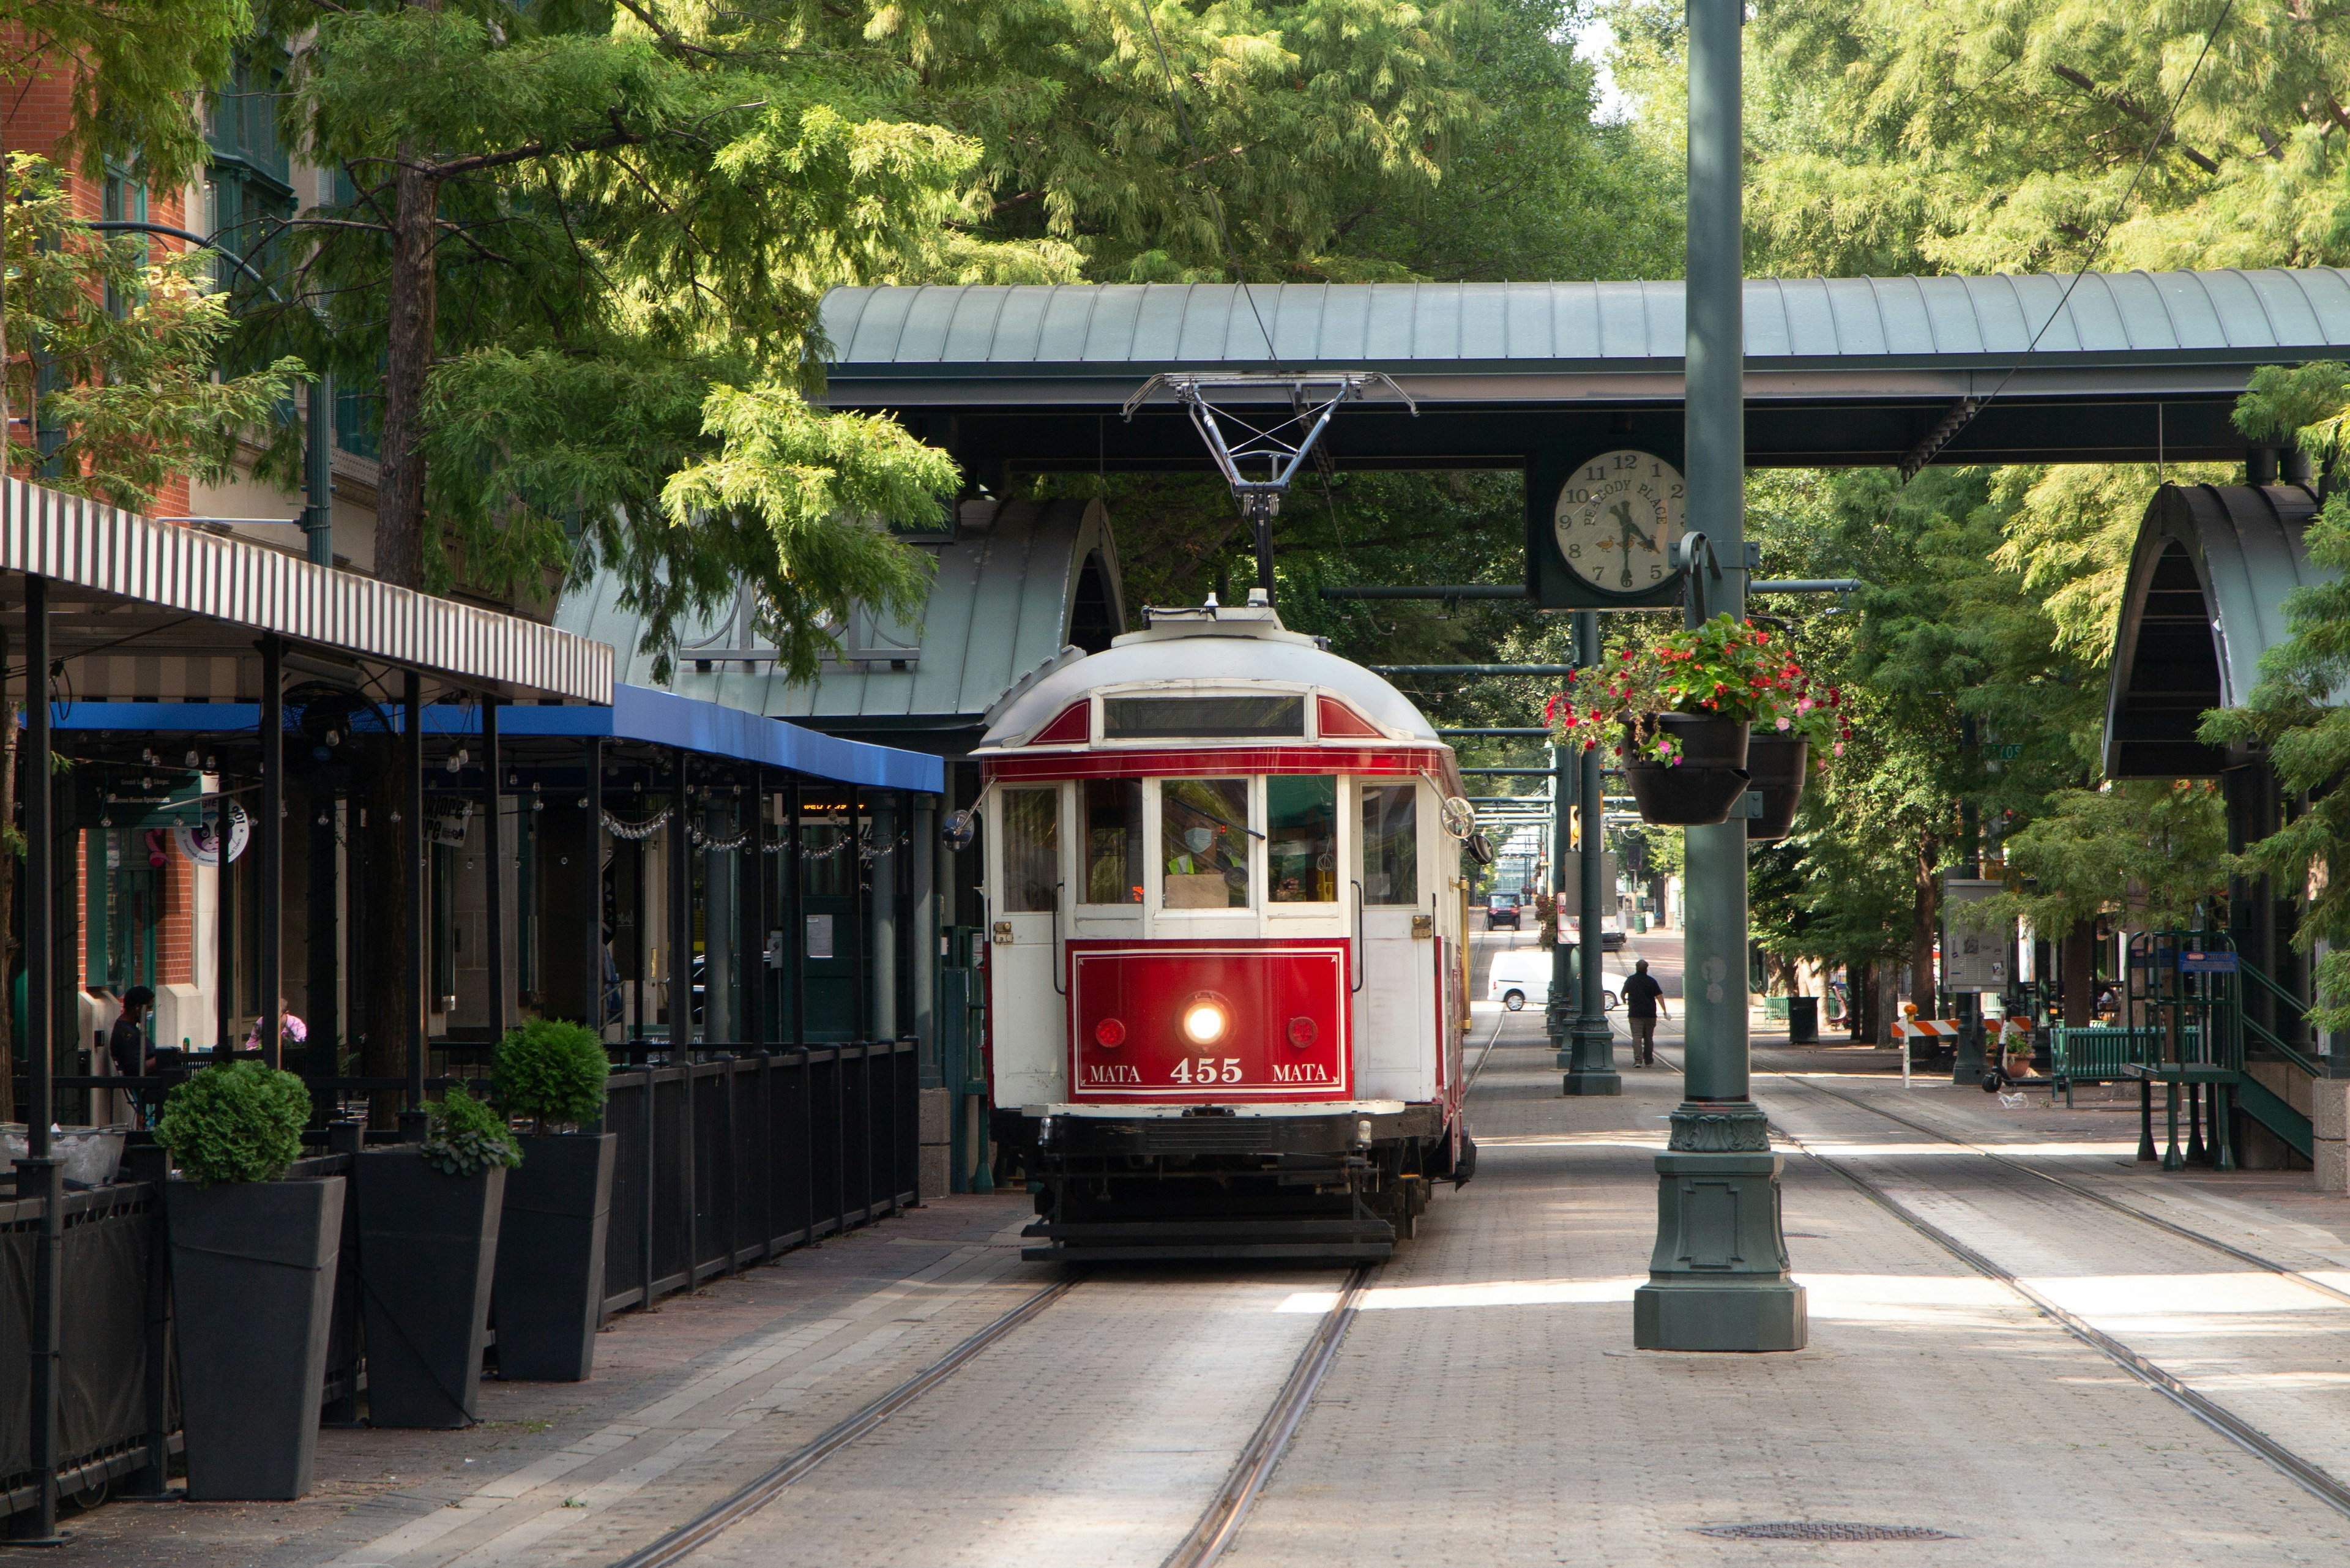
point(428, 1245)
point(549, 1296)
point(253, 1286)
point(1699, 790)
point(1776, 766)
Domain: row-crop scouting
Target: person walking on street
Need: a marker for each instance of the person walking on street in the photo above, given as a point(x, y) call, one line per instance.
point(1643, 1003)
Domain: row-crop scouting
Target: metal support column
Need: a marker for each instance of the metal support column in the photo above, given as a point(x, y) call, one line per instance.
point(795, 939)
point(591, 924)
point(1718, 1279)
point(679, 932)
point(318, 474)
point(494, 860)
point(927, 851)
point(269, 955)
point(1591, 1038)
point(41, 1176)
point(419, 901)
point(756, 918)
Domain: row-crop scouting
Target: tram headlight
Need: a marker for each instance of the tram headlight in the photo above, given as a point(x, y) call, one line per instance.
point(1206, 1019)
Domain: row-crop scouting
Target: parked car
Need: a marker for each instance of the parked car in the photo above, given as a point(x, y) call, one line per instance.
point(1523, 976)
point(1502, 912)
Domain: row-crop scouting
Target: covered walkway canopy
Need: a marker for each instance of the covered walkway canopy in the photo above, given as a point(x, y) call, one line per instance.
point(2132, 367)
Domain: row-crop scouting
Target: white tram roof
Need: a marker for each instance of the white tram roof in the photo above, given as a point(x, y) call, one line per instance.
point(1213, 647)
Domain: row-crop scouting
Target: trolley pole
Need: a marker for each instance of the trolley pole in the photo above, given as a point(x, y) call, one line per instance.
point(1718, 1279)
point(1591, 1040)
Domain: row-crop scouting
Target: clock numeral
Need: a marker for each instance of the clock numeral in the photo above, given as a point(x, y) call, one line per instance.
point(1574, 552)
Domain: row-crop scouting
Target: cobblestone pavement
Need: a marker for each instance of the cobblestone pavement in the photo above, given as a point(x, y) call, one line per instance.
point(688, 1404)
point(1495, 1411)
point(1486, 1405)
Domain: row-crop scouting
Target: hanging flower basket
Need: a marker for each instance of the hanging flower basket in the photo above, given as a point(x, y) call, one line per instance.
point(1684, 706)
point(1704, 776)
point(1775, 765)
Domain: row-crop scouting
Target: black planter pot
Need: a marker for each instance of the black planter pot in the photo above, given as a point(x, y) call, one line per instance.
point(549, 1296)
point(1776, 765)
point(1699, 790)
point(428, 1246)
point(253, 1289)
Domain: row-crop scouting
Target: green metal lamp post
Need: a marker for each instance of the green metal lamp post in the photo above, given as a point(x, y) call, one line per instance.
point(1718, 1279)
point(1589, 1041)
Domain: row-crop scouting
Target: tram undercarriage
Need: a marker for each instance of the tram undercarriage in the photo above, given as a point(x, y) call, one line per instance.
point(1202, 1185)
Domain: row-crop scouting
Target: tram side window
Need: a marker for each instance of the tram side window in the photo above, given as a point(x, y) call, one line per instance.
point(1031, 849)
point(1390, 845)
point(1203, 838)
point(1301, 838)
point(1113, 841)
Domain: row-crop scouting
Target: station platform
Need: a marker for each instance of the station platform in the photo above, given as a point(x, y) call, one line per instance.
point(1484, 1405)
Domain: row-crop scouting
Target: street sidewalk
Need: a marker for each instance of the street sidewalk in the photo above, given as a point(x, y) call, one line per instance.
point(688, 1403)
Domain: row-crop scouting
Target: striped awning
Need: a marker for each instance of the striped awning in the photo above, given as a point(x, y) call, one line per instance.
point(154, 612)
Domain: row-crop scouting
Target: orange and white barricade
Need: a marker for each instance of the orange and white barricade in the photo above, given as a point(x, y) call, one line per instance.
point(1910, 1028)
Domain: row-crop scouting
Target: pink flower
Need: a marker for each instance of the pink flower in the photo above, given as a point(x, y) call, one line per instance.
point(1786, 723)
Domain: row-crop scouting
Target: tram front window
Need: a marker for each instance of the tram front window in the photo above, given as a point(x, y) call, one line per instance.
point(1302, 839)
point(1031, 849)
point(1113, 841)
point(1203, 840)
point(1390, 845)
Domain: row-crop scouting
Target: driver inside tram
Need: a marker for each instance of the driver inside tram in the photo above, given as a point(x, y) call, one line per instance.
point(1201, 836)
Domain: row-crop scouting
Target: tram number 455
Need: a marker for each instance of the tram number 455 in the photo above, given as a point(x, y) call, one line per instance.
point(1206, 1071)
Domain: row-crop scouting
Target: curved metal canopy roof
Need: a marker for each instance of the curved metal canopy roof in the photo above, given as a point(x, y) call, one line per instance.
point(2206, 595)
point(1839, 370)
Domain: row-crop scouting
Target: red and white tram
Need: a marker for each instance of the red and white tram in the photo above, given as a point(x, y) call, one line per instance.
point(1225, 968)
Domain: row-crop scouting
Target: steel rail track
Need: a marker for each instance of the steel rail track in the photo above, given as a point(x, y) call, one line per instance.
point(2312, 1476)
point(1217, 1528)
point(2185, 1232)
point(1220, 1526)
point(707, 1526)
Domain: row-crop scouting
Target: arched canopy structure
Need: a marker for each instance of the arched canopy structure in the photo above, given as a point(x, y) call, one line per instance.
point(2205, 599)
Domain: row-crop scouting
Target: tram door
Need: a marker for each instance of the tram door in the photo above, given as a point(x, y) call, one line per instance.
point(1024, 889)
point(1395, 973)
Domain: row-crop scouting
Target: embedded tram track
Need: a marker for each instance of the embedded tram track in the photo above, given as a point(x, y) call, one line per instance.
point(1218, 1526)
point(2312, 1476)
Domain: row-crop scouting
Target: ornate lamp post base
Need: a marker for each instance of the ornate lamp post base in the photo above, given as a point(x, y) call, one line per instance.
point(1590, 1059)
point(1718, 1279)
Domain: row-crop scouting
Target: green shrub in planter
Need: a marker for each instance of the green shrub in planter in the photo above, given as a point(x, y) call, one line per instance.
point(552, 1072)
point(462, 1137)
point(253, 1281)
point(238, 1121)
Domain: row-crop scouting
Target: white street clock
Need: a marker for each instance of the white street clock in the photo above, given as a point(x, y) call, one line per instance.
point(1617, 517)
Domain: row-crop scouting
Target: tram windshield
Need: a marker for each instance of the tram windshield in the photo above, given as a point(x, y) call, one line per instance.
point(1301, 838)
point(1203, 839)
point(1113, 810)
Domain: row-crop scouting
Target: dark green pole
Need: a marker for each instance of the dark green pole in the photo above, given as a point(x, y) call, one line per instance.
point(318, 476)
point(1592, 1068)
point(1718, 1279)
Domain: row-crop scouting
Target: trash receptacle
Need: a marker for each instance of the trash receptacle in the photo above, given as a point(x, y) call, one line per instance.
point(1803, 1020)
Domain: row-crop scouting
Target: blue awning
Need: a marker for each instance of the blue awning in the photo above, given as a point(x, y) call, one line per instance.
point(638, 713)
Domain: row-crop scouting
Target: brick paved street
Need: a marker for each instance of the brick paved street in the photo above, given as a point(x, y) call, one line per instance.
point(1486, 1405)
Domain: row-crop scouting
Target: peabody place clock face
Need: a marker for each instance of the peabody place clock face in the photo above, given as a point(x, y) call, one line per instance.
point(1617, 517)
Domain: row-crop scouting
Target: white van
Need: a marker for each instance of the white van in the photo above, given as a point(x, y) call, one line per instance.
point(1522, 975)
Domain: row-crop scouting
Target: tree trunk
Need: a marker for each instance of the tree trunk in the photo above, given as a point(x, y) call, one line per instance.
point(400, 490)
point(2080, 974)
point(386, 1011)
point(1925, 915)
